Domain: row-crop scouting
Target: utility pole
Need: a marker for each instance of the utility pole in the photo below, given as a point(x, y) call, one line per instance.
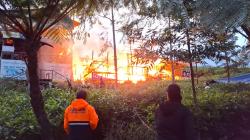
point(131, 58)
point(171, 49)
point(114, 43)
point(92, 56)
point(107, 63)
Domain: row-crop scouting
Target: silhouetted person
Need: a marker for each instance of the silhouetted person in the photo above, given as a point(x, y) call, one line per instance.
point(69, 83)
point(102, 84)
point(173, 120)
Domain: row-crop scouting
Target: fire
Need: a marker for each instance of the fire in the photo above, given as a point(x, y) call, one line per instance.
point(101, 67)
point(77, 67)
point(69, 50)
point(97, 69)
point(153, 72)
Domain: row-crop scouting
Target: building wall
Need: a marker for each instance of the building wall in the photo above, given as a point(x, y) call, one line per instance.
point(56, 62)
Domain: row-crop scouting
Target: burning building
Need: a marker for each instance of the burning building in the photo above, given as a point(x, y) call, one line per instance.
point(91, 64)
point(92, 61)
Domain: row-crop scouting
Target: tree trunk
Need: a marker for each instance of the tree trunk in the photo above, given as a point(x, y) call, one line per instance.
point(171, 57)
point(172, 69)
point(114, 43)
point(228, 71)
point(191, 68)
point(36, 95)
point(193, 84)
point(196, 73)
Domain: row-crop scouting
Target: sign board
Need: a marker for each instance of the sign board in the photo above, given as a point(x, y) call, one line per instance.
point(8, 48)
point(95, 76)
point(186, 73)
point(13, 69)
point(12, 35)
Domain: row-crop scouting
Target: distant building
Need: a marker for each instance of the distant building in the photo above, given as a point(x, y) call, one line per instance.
point(12, 56)
point(54, 63)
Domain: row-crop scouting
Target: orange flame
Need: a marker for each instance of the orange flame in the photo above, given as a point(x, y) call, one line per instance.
point(77, 67)
point(126, 72)
point(90, 68)
point(61, 53)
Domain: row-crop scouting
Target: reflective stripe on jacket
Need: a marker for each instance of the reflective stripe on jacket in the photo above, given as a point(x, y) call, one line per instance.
point(80, 112)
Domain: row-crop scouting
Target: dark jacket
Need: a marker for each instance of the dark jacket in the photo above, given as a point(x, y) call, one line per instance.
point(174, 122)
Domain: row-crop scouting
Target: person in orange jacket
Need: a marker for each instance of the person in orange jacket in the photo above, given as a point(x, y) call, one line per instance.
point(80, 118)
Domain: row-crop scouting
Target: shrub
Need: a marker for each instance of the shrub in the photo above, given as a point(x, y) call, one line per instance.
point(16, 114)
point(128, 112)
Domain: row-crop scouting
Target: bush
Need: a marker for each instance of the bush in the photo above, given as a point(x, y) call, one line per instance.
point(128, 112)
point(17, 120)
point(16, 114)
point(231, 88)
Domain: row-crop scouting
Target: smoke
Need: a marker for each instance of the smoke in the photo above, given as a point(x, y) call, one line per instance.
point(93, 48)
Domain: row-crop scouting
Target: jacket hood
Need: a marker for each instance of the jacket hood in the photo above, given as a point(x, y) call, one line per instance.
point(79, 103)
point(169, 108)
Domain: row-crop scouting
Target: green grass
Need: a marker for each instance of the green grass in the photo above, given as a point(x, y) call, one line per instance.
point(220, 72)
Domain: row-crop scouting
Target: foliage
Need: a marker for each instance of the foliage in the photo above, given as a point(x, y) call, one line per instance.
point(223, 14)
point(16, 113)
point(224, 46)
point(212, 73)
point(178, 39)
point(128, 112)
point(35, 19)
point(56, 100)
point(219, 108)
point(232, 88)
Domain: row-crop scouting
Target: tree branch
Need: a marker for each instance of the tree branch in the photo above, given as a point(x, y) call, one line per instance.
point(30, 20)
point(105, 17)
point(45, 43)
point(246, 30)
point(23, 16)
point(11, 18)
point(149, 128)
point(60, 17)
point(41, 24)
point(10, 25)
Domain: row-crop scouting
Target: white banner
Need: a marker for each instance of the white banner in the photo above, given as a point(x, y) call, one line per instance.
point(8, 48)
point(12, 35)
point(13, 69)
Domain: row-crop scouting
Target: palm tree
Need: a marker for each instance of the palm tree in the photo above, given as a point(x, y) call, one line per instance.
point(35, 19)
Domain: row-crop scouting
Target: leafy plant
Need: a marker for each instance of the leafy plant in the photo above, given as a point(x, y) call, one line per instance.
point(128, 112)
